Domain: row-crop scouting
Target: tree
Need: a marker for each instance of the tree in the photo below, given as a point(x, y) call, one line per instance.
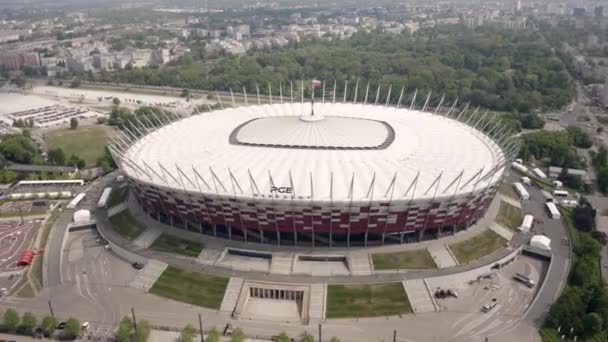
point(11, 319)
point(187, 334)
point(185, 93)
point(532, 121)
point(28, 322)
point(56, 156)
point(48, 325)
point(76, 161)
point(213, 335)
point(116, 101)
point(75, 83)
point(72, 327)
point(283, 337)
point(334, 339)
point(238, 335)
point(307, 338)
point(8, 176)
point(73, 123)
point(126, 332)
point(592, 323)
point(579, 137)
point(584, 217)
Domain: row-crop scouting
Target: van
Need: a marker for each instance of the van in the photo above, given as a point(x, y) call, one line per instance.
point(490, 306)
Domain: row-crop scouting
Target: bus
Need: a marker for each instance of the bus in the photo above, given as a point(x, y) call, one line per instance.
point(560, 193)
point(524, 280)
point(105, 196)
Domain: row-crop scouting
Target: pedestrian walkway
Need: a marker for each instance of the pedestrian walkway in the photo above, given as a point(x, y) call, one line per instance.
point(510, 200)
point(360, 264)
point(502, 231)
point(321, 267)
point(281, 263)
point(231, 296)
point(147, 276)
point(317, 301)
point(419, 296)
point(442, 257)
point(209, 256)
point(147, 238)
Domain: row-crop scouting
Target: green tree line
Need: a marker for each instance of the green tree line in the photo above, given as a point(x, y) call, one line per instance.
point(502, 71)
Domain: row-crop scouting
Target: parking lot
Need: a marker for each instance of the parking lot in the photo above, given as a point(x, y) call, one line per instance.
point(14, 239)
point(94, 274)
point(512, 297)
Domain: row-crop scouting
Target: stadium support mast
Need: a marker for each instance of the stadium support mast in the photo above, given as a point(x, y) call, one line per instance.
point(281, 92)
point(426, 102)
point(366, 93)
point(463, 111)
point(428, 214)
point(291, 86)
point(257, 90)
point(234, 182)
point(219, 99)
point(345, 91)
point(413, 103)
point(245, 95)
point(253, 184)
point(270, 92)
point(472, 116)
point(232, 97)
point(480, 119)
point(323, 91)
point(447, 115)
point(356, 90)
point(334, 95)
point(400, 97)
point(302, 86)
point(439, 105)
point(377, 94)
point(371, 200)
point(388, 96)
point(312, 101)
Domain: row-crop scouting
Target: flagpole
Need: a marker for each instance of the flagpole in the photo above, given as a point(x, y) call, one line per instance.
point(312, 99)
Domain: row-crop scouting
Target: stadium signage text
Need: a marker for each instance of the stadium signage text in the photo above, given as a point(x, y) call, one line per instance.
point(281, 190)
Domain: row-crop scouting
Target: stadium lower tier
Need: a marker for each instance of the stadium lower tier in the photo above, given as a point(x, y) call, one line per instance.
point(314, 224)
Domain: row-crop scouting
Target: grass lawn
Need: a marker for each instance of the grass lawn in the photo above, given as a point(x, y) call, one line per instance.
point(507, 190)
point(477, 246)
point(509, 216)
point(367, 300)
point(118, 196)
point(86, 142)
point(417, 259)
point(172, 244)
point(191, 287)
point(125, 225)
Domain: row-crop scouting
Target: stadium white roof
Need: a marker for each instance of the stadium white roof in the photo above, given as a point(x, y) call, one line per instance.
point(247, 150)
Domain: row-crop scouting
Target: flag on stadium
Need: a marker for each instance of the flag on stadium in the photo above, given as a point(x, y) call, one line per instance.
point(316, 83)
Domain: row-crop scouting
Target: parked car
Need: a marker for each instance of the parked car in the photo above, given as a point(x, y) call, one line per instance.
point(61, 325)
point(490, 306)
point(137, 265)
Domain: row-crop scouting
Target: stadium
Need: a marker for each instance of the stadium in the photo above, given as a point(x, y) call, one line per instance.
point(341, 175)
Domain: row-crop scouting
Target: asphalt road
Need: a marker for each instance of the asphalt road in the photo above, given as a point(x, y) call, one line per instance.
point(560, 263)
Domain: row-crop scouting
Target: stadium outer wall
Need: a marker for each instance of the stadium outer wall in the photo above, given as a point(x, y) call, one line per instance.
point(310, 223)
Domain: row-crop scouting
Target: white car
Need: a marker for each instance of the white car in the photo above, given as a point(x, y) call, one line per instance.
point(85, 325)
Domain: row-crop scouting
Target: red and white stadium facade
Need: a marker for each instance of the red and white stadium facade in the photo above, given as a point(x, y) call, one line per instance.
point(349, 173)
